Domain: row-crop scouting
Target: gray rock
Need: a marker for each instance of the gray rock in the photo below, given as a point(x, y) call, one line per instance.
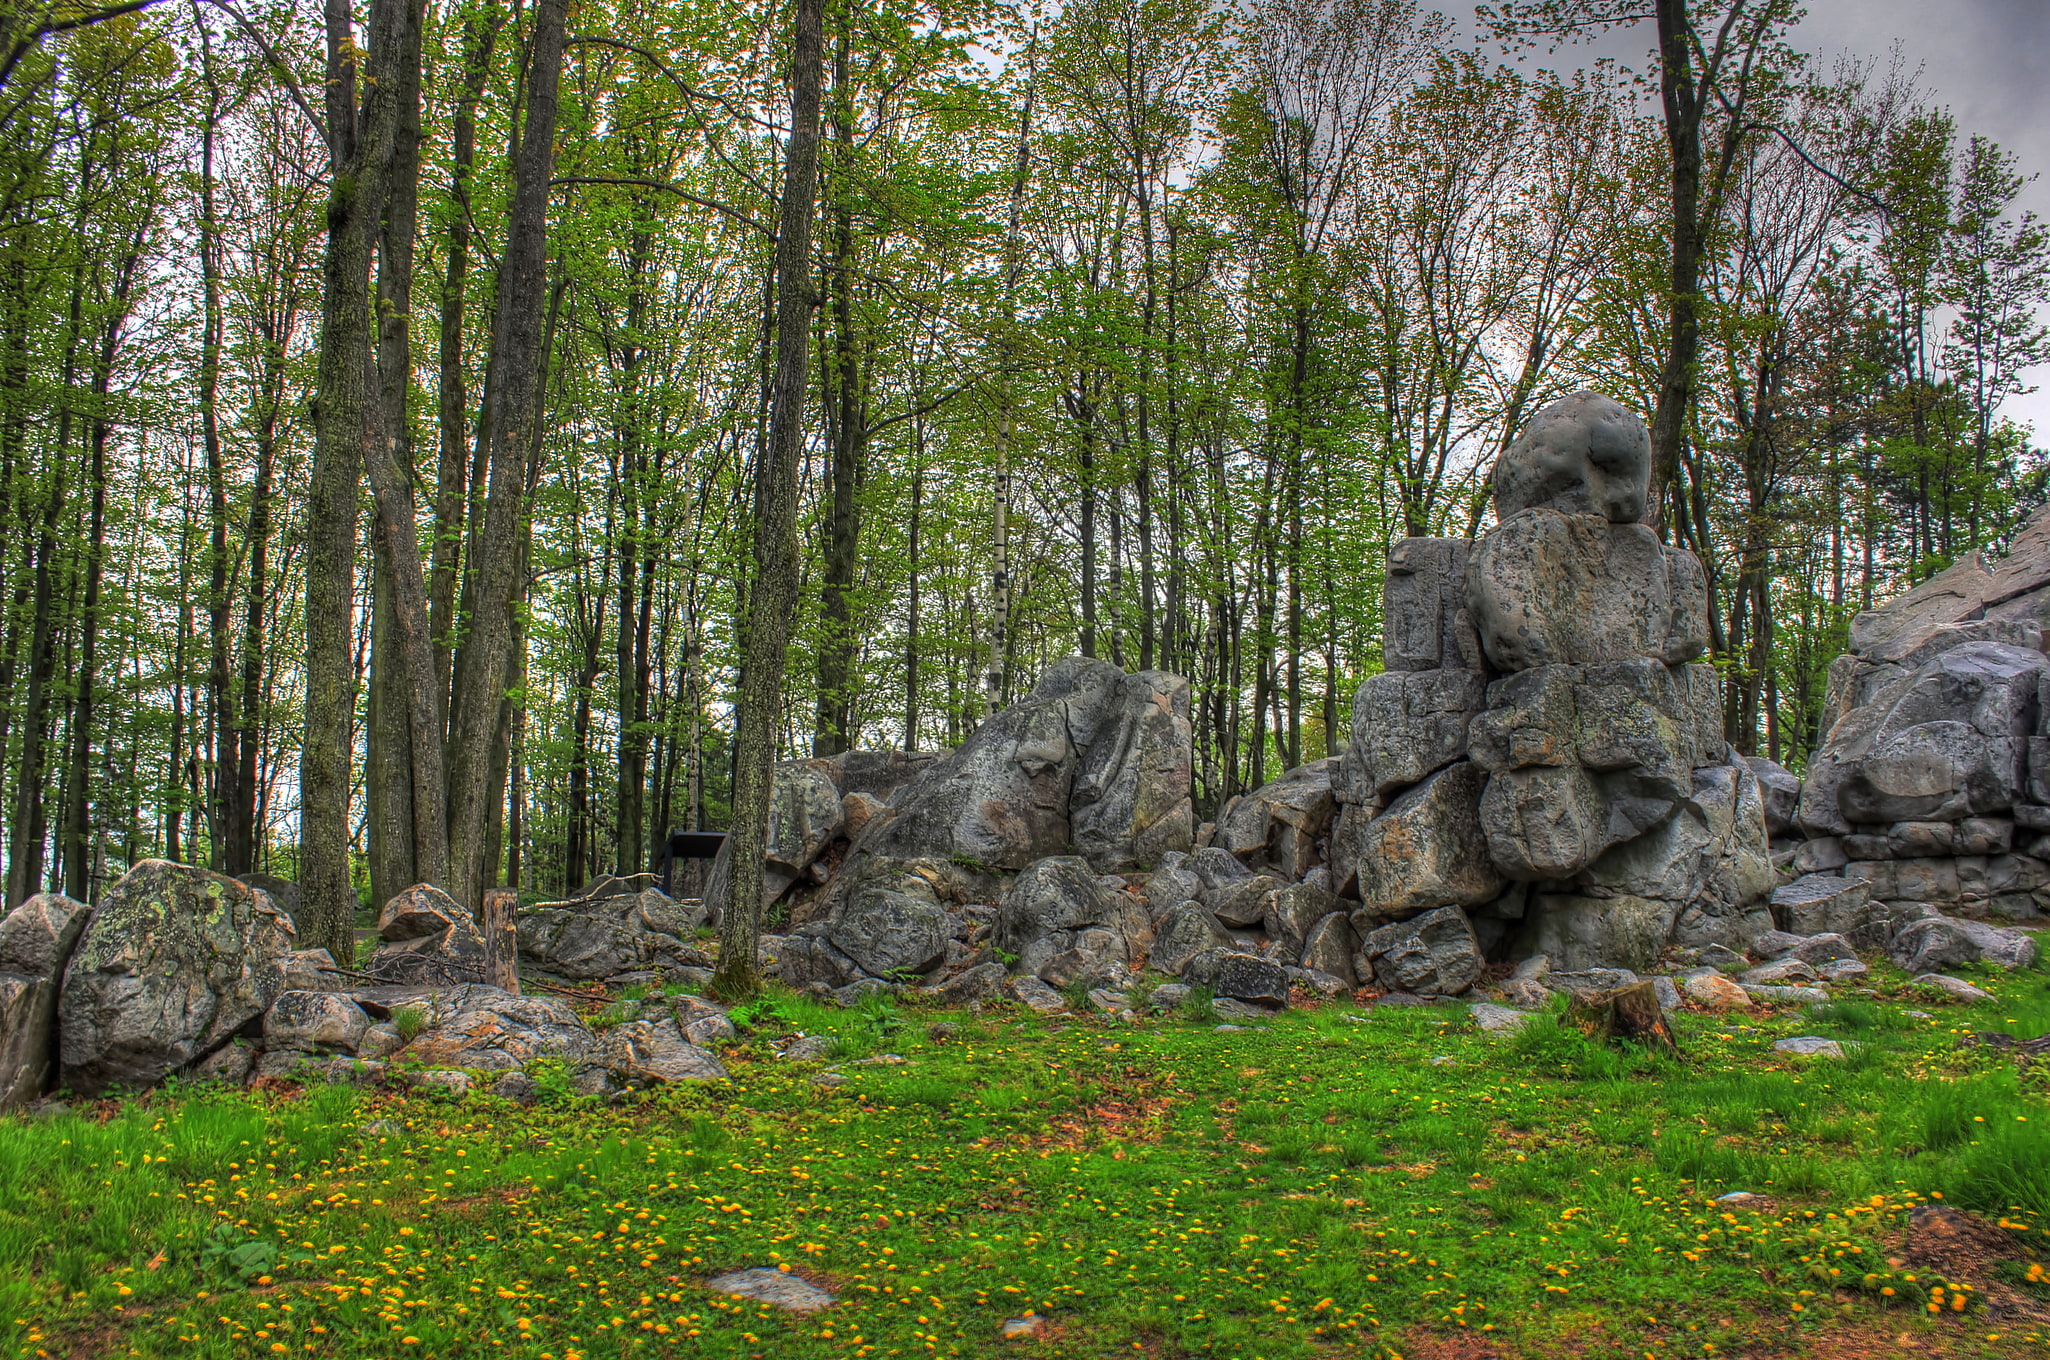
point(1434, 954)
point(807, 1048)
point(1957, 987)
point(1809, 1047)
point(605, 936)
point(1817, 904)
point(1716, 992)
point(1941, 942)
point(1035, 995)
point(1320, 982)
point(448, 1083)
point(310, 970)
point(1819, 854)
point(1407, 725)
point(1104, 999)
point(1547, 588)
point(420, 911)
point(777, 1288)
point(1242, 977)
point(427, 938)
point(891, 929)
point(1497, 1019)
point(1168, 997)
point(1278, 826)
point(1717, 956)
point(1583, 454)
point(650, 1051)
point(36, 942)
point(1533, 968)
point(1782, 793)
point(315, 1022)
point(380, 1041)
point(1528, 993)
point(1668, 994)
point(1790, 996)
point(1186, 931)
point(1780, 972)
point(174, 963)
point(860, 990)
point(593, 1082)
point(1841, 970)
point(1585, 984)
point(706, 1030)
point(518, 1087)
point(1820, 949)
point(1244, 904)
point(1133, 801)
point(983, 982)
point(1293, 912)
point(1064, 923)
point(1233, 1009)
point(484, 1028)
point(1775, 944)
point(1169, 886)
point(233, 1064)
point(1330, 947)
point(1428, 850)
point(1425, 621)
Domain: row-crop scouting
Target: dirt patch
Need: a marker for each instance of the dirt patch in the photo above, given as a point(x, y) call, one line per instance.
point(1127, 1106)
point(1968, 1250)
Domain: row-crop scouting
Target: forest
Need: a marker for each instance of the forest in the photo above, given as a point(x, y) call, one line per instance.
point(429, 431)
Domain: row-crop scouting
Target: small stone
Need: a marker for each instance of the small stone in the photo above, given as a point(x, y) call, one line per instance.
point(828, 1079)
point(1808, 1047)
point(1526, 993)
point(1018, 1329)
point(807, 1048)
point(1779, 972)
point(450, 1083)
point(1721, 956)
point(1401, 999)
point(1738, 1197)
point(1169, 997)
point(1918, 1015)
point(940, 1031)
point(1443, 1060)
point(777, 1288)
point(707, 1030)
point(1837, 970)
point(1232, 1009)
point(1770, 944)
point(1716, 992)
point(1533, 968)
point(1498, 1019)
point(1104, 999)
point(516, 1086)
point(1228, 1029)
point(1792, 996)
point(1668, 994)
point(1037, 996)
point(882, 1060)
point(1957, 987)
point(381, 1128)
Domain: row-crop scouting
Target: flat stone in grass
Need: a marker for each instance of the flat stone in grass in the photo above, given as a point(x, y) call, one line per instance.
point(1957, 987)
point(777, 1288)
point(1498, 1019)
point(1792, 996)
point(1810, 1047)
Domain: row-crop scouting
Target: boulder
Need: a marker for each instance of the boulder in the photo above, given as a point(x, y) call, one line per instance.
point(1186, 931)
point(427, 938)
point(1425, 621)
point(1817, 950)
point(1906, 880)
point(36, 941)
point(1172, 884)
point(603, 937)
point(1819, 855)
point(315, 1022)
point(652, 1052)
point(1329, 949)
point(982, 982)
point(1715, 992)
point(1293, 912)
point(1060, 906)
point(1929, 946)
point(1817, 904)
point(310, 970)
point(175, 962)
point(1435, 954)
point(1279, 826)
point(1092, 758)
point(284, 893)
point(1952, 986)
point(1406, 725)
point(483, 1027)
point(420, 911)
point(1428, 849)
point(1243, 905)
point(878, 774)
point(890, 928)
point(1782, 793)
point(1547, 588)
point(1583, 454)
point(1243, 977)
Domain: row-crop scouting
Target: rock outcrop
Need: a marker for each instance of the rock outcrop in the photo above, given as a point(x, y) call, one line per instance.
point(36, 942)
point(1544, 755)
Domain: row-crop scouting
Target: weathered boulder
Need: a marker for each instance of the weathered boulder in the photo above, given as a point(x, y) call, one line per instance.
point(1186, 931)
point(36, 941)
point(1330, 947)
point(653, 1052)
point(1243, 977)
point(1583, 454)
point(1941, 942)
point(890, 928)
point(1547, 588)
point(483, 1027)
point(284, 893)
point(806, 815)
point(1816, 904)
point(1293, 912)
point(314, 1022)
point(450, 955)
point(1406, 726)
point(1435, 954)
point(1279, 825)
point(1091, 758)
point(1243, 905)
point(603, 937)
point(418, 912)
point(175, 962)
point(1428, 849)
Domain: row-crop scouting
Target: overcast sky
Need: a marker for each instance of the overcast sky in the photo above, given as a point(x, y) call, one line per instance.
point(1988, 61)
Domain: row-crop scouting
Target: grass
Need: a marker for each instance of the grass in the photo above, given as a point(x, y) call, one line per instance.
point(1313, 1187)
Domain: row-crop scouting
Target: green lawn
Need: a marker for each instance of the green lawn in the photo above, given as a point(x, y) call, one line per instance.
point(1337, 1183)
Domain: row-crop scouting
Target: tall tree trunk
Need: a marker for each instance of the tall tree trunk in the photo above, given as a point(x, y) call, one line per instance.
point(773, 597)
point(515, 395)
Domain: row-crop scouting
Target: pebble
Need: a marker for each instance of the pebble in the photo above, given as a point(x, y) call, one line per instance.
point(1737, 1197)
point(1918, 1015)
point(1809, 1046)
point(1443, 1060)
point(1230, 1029)
point(883, 1060)
point(828, 1079)
point(381, 1128)
point(1017, 1329)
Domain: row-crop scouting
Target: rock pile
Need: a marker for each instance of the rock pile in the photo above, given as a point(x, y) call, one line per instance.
point(1543, 758)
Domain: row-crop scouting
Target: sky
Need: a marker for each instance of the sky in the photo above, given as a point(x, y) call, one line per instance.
point(1988, 61)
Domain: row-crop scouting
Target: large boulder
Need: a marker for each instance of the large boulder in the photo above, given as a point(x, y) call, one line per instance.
point(36, 941)
point(483, 1027)
point(1822, 904)
point(1279, 826)
point(1428, 849)
point(653, 1052)
point(1426, 623)
point(1091, 759)
point(175, 963)
point(1940, 942)
point(1782, 794)
point(892, 928)
point(1547, 588)
point(1184, 932)
point(315, 1022)
point(1407, 725)
point(1238, 975)
point(601, 938)
point(1584, 454)
point(1435, 954)
point(427, 938)
point(1063, 922)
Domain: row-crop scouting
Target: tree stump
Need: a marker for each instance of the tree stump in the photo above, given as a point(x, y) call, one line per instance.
point(501, 939)
point(1631, 1012)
